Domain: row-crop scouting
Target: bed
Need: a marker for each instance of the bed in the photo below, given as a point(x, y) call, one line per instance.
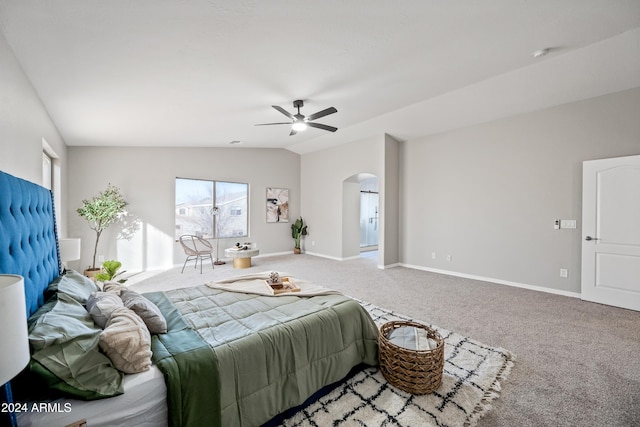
point(226, 358)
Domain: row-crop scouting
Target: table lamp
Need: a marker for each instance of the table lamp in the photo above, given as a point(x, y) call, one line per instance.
point(14, 352)
point(69, 250)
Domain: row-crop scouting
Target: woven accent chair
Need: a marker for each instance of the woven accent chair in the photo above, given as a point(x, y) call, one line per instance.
point(196, 249)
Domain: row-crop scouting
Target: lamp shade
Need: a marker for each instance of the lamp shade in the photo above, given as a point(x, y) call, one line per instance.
point(14, 352)
point(69, 249)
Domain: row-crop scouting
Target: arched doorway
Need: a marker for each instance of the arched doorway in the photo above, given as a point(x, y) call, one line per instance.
point(361, 216)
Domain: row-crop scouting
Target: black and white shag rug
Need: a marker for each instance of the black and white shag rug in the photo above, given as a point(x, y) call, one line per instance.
point(471, 382)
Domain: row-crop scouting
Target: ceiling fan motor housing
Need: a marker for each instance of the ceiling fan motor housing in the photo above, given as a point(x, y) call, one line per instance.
point(300, 121)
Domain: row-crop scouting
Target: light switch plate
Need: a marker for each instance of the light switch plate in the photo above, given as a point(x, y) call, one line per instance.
point(568, 223)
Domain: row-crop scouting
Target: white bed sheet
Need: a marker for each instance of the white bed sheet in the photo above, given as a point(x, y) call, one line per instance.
point(143, 404)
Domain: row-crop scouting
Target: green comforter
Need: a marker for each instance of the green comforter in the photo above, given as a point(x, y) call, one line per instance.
point(233, 359)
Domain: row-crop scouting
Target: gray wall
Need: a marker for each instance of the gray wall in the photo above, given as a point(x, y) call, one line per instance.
point(390, 203)
point(322, 180)
point(488, 194)
point(24, 122)
point(331, 197)
point(146, 177)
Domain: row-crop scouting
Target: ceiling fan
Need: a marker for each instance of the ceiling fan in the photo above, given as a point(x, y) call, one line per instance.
point(300, 122)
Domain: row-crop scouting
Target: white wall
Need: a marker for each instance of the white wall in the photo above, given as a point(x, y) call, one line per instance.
point(329, 203)
point(24, 122)
point(146, 177)
point(488, 194)
point(322, 177)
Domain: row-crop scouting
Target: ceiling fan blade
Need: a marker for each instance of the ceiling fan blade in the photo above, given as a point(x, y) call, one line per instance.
point(323, 127)
point(293, 132)
point(283, 111)
point(322, 113)
point(269, 124)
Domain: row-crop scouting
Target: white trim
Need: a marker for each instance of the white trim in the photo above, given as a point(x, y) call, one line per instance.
point(397, 264)
point(273, 254)
point(498, 281)
point(326, 256)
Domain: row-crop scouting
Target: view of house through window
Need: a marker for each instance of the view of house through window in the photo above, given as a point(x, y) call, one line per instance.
point(195, 199)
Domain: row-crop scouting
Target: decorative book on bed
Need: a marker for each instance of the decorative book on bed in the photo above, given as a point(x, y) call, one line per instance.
point(226, 358)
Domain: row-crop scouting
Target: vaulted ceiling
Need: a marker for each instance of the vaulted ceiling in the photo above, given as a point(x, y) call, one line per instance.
point(202, 73)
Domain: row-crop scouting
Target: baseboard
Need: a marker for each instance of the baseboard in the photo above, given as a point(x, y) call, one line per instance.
point(492, 280)
point(274, 254)
point(384, 267)
point(325, 256)
point(381, 267)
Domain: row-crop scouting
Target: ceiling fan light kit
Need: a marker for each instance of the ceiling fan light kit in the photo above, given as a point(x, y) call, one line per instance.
point(299, 126)
point(300, 122)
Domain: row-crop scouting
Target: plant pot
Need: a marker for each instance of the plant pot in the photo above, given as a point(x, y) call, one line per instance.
point(297, 251)
point(91, 272)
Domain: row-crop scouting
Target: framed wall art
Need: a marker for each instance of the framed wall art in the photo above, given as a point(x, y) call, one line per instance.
point(277, 204)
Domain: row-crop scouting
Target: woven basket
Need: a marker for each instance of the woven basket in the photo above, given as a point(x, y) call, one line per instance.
point(414, 371)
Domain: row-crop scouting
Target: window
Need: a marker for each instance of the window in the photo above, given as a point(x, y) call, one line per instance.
point(195, 199)
point(52, 176)
point(47, 171)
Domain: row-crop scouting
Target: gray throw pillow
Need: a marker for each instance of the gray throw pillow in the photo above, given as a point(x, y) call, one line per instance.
point(148, 311)
point(100, 305)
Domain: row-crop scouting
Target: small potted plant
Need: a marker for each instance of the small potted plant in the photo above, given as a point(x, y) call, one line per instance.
point(298, 229)
point(100, 212)
point(109, 272)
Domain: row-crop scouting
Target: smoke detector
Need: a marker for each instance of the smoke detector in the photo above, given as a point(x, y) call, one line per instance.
point(540, 53)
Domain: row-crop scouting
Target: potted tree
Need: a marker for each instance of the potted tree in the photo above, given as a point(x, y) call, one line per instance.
point(100, 212)
point(298, 229)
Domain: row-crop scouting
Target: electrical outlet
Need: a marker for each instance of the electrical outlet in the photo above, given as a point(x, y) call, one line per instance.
point(564, 272)
point(449, 257)
point(433, 255)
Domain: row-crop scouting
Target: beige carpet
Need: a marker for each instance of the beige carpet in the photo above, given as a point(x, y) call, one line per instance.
point(578, 362)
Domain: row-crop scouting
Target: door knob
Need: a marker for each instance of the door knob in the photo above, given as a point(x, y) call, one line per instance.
point(589, 238)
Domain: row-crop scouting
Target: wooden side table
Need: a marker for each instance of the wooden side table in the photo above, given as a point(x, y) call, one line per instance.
point(241, 257)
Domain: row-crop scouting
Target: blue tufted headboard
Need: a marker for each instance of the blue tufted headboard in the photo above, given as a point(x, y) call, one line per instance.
point(28, 236)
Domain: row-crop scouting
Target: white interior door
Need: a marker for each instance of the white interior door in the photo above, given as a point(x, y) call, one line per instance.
point(611, 232)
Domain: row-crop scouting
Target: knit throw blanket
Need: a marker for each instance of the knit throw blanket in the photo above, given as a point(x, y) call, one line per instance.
point(256, 284)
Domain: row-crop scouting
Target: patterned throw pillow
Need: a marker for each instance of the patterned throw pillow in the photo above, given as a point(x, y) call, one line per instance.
point(126, 341)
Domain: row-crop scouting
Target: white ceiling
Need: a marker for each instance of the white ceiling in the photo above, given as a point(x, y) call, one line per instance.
point(202, 73)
